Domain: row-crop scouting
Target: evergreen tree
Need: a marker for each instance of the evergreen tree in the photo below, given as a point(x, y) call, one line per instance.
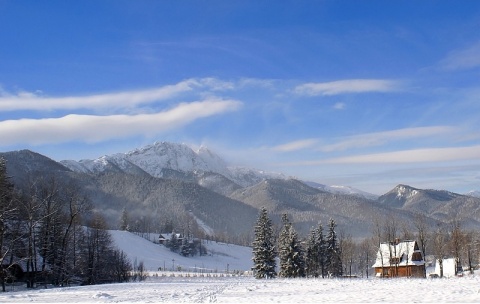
point(173, 243)
point(332, 253)
point(125, 220)
point(292, 264)
point(321, 249)
point(311, 255)
point(264, 263)
point(186, 248)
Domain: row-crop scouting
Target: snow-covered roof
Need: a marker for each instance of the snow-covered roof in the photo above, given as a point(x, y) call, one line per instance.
point(168, 236)
point(399, 254)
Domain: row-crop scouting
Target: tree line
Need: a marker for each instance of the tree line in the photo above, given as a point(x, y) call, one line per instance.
point(50, 235)
point(320, 255)
point(332, 254)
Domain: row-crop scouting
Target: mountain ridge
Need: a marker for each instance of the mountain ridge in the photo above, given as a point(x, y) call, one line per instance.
point(153, 183)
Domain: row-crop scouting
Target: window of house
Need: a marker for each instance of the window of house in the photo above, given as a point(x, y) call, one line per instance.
point(417, 256)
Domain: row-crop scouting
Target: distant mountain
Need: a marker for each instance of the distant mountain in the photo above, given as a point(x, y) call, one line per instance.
point(171, 160)
point(167, 182)
point(309, 206)
point(23, 164)
point(473, 193)
point(439, 204)
point(342, 190)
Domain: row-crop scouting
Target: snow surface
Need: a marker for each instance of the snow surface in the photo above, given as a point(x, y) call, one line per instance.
point(220, 257)
point(226, 287)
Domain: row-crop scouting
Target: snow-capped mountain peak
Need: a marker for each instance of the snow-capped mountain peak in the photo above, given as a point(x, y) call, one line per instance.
point(405, 192)
point(160, 156)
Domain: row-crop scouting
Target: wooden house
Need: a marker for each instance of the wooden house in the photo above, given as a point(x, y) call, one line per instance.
point(399, 259)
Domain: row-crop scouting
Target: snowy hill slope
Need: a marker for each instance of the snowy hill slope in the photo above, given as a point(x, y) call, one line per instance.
point(220, 256)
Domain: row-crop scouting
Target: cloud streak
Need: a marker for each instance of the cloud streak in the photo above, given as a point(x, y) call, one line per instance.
point(348, 86)
point(413, 156)
point(366, 140)
point(380, 138)
point(462, 59)
point(128, 99)
point(295, 145)
point(427, 155)
point(91, 128)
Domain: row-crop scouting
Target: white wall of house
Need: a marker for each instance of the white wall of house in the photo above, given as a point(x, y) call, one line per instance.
point(449, 266)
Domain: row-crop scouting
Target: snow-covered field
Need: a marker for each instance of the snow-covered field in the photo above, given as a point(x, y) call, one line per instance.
point(249, 290)
point(211, 278)
point(221, 257)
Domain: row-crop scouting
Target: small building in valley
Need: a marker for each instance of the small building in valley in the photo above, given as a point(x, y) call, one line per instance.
point(166, 238)
point(399, 259)
point(448, 267)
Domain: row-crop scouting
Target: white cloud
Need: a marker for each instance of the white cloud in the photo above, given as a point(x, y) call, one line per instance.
point(379, 138)
point(339, 106)
point(295, 145)
point(462, 59)
point(347, 86)
point(216, 84)
point(403, 157)
point(413, 156)
point(128, 99)
point(90, 128)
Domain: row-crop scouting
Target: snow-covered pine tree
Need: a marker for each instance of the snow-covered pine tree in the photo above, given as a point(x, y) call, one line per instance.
point(292, 263)
point(332, 254)
point(185, 248)
point(264, 263)
point(311, 255)
point(124, 220)
point(321, 248)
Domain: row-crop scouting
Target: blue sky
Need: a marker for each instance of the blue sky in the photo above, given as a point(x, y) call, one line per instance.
point(368, 94)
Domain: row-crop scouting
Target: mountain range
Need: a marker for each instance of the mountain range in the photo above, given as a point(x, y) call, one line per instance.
point(172, 183)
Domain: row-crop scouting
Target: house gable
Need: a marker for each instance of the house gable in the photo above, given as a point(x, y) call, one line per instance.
point(399, 259)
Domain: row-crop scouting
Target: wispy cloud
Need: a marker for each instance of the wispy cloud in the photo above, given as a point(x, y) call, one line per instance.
point(380, 138)
point(90, 128)
point(427, 155)
point(348, 86)
point(413, 156)
point(127, 99)
point(295, 145)
point(339, 106)
point(462, 59)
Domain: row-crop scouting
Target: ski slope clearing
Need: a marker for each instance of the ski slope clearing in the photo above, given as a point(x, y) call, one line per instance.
point(249, 290)
point(221, 257)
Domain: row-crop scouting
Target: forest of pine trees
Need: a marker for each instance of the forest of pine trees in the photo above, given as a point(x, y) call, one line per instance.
point(320, 257)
